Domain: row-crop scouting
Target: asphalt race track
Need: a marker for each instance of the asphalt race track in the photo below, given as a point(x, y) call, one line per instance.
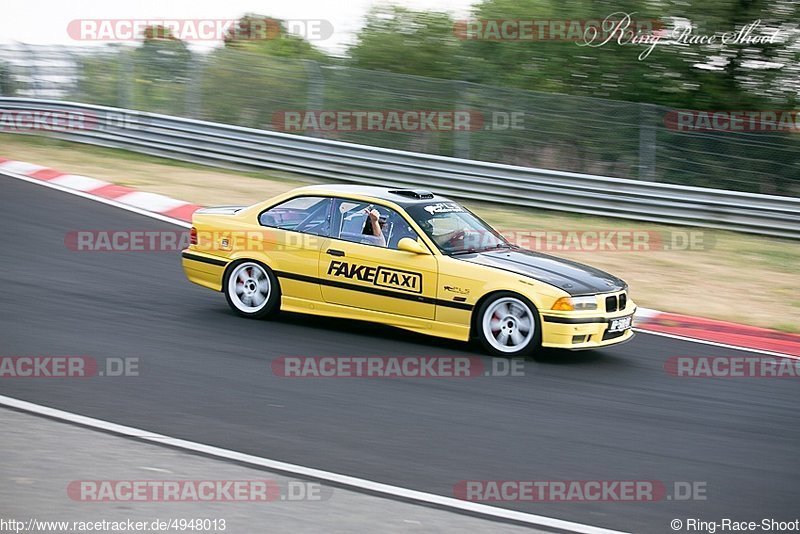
point(205, 376)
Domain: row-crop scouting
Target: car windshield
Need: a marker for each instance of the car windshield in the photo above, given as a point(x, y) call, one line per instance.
point(454, 229)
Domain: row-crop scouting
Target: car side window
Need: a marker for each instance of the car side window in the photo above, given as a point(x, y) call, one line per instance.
point(310, 215)
point(352, 222)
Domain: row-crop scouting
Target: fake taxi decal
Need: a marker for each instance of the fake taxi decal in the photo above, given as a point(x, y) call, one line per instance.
point(379, 276)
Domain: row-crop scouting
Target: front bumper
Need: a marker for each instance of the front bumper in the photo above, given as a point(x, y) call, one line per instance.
point(582, 331)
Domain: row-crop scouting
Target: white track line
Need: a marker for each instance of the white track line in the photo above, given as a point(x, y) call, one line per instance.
point(299, 470)
point(102, 200)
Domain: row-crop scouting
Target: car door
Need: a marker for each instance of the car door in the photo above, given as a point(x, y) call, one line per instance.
point(294, 232)
point(360, 271)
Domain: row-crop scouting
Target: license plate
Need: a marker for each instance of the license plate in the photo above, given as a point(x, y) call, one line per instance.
point(621, 324)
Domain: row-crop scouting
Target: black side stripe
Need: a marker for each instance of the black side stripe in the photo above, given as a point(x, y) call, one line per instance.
point(343, 285)
point(374, 290)
point(203, 259)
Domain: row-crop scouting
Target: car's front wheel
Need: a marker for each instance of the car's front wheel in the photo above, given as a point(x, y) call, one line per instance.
point(252, 290)
point(508, 325)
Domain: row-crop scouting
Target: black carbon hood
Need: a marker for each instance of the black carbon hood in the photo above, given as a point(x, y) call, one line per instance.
point(573, 277)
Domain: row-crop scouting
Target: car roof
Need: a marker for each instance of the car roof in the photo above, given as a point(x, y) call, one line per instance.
point(378, 193)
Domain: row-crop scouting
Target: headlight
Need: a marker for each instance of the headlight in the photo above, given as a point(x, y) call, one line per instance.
point(575, 303)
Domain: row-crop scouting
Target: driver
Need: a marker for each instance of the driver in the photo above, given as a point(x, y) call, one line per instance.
point(373, 227)
point(450, 240)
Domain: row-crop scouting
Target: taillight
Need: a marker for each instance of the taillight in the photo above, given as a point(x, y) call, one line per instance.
point(193, 236)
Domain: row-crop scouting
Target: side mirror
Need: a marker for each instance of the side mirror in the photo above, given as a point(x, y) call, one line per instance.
point(411, 245)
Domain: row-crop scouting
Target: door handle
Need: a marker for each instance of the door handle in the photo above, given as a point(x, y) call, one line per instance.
point(334, 252)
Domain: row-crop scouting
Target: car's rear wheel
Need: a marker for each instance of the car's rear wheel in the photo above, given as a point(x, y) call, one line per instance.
point(251, 289)
point(508, 325)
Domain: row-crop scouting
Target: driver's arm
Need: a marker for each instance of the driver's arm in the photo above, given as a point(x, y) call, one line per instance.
point(374, 218)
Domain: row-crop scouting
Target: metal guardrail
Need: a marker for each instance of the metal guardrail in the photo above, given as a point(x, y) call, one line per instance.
point(241, 148)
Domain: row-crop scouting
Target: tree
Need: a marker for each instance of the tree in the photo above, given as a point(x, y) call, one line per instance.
point(404, 41)
point(740, 75)
point(161, 71)
point(267, 35)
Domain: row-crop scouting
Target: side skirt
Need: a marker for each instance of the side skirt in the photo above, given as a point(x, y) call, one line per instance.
point(423, 326)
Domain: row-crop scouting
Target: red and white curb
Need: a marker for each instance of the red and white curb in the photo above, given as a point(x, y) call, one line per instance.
point(686, 327)
point(150, 202)
point(722, 333)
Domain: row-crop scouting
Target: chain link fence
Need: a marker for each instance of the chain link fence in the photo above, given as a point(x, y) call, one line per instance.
point(550, 131)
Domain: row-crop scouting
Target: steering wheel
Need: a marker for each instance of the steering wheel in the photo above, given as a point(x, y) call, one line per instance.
point(453, 240)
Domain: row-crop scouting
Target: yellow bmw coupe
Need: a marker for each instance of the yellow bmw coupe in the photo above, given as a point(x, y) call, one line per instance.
point(406, 258)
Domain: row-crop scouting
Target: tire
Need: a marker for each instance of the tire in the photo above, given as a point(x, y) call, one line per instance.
point(252, 289)
point(508, 325)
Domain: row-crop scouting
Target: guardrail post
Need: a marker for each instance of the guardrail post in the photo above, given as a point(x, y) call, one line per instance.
point(315, 98)
point(461, 139)
point(125, 79)
point(74, 65)
point(7, 81)
point(33, 86)
point(647, 142)
point(194, 93)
